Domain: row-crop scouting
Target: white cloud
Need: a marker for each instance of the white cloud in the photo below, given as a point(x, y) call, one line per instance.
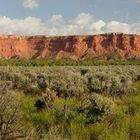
point(115, 26)
point(57, 18)
point(57, 25)
point(83, 19)
point(30, 3)
point(27, 26)
point(136, 27)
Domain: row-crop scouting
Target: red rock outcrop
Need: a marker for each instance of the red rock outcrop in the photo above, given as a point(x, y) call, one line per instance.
point(103, 46)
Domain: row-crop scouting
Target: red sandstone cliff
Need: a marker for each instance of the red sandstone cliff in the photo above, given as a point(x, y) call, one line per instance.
point(122, 46)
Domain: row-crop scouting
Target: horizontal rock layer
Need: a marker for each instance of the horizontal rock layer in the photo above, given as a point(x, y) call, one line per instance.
point(104, 46)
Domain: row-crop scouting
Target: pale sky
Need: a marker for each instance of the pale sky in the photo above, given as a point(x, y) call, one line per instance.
point(69, 17)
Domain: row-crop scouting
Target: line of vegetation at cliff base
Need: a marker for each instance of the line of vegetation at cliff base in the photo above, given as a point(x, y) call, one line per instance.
point(64, 62)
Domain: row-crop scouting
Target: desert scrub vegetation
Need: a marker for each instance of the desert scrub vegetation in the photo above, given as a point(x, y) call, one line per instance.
point(68, 62)
point(70, 103)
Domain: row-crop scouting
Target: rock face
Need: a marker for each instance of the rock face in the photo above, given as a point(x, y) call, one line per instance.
point(104, 46)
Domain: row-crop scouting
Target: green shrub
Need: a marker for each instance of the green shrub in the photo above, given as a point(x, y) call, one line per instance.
point(35, 91)
point(98, 131)
point(132, 104)
point(79, 131)
point(100, 106)
point(95, 85)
